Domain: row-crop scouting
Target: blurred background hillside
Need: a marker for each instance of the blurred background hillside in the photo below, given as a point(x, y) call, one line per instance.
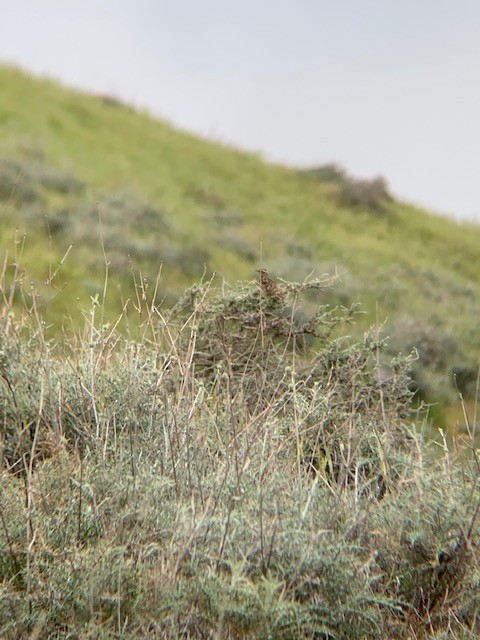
point(381, 88)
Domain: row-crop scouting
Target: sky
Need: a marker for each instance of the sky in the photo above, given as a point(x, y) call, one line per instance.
point(380, 87)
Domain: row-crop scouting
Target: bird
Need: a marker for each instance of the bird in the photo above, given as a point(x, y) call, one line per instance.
point(269, 286)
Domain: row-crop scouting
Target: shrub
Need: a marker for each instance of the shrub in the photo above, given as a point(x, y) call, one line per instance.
point(239, 246)
point(435, 346)
point(207, 197)
point(226, 218)
point(326, 173)
point(465, 379)
point(54, 180)
point(218, 478)
point(112, 101)
point(22, 182)
point(192, 260)
point(431, 377)
point(16, 185)
point(299, 250)
point(372, 195)
point(129, 228)
point(251, 344)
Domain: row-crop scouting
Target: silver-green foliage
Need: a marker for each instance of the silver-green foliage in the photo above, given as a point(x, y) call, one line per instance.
point(242, 470)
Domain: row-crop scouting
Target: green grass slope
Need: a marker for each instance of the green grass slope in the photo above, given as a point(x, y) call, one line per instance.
point(90, 187)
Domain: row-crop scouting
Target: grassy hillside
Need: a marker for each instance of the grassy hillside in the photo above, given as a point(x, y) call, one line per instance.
point(87, 182)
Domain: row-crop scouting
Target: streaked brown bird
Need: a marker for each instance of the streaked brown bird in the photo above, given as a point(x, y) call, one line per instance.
point(269, 286)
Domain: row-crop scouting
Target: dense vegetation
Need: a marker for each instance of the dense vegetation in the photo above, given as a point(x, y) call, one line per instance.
point(218, 478)
point(209, 460)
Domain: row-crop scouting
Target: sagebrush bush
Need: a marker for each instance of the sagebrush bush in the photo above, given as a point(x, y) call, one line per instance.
point(223, 476)
point(16, 185)
point(225, 218)
point(432, 374)
point(239, 246)
point(327, 173)
point(24, 182)
point(207, 196)
point(129, 231)
point(435, 345)
point(372, 195)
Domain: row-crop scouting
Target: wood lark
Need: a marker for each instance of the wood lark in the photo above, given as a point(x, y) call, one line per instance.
point(270, 287)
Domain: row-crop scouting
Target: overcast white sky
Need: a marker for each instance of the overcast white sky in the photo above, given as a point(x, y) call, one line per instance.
point(387, 87)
